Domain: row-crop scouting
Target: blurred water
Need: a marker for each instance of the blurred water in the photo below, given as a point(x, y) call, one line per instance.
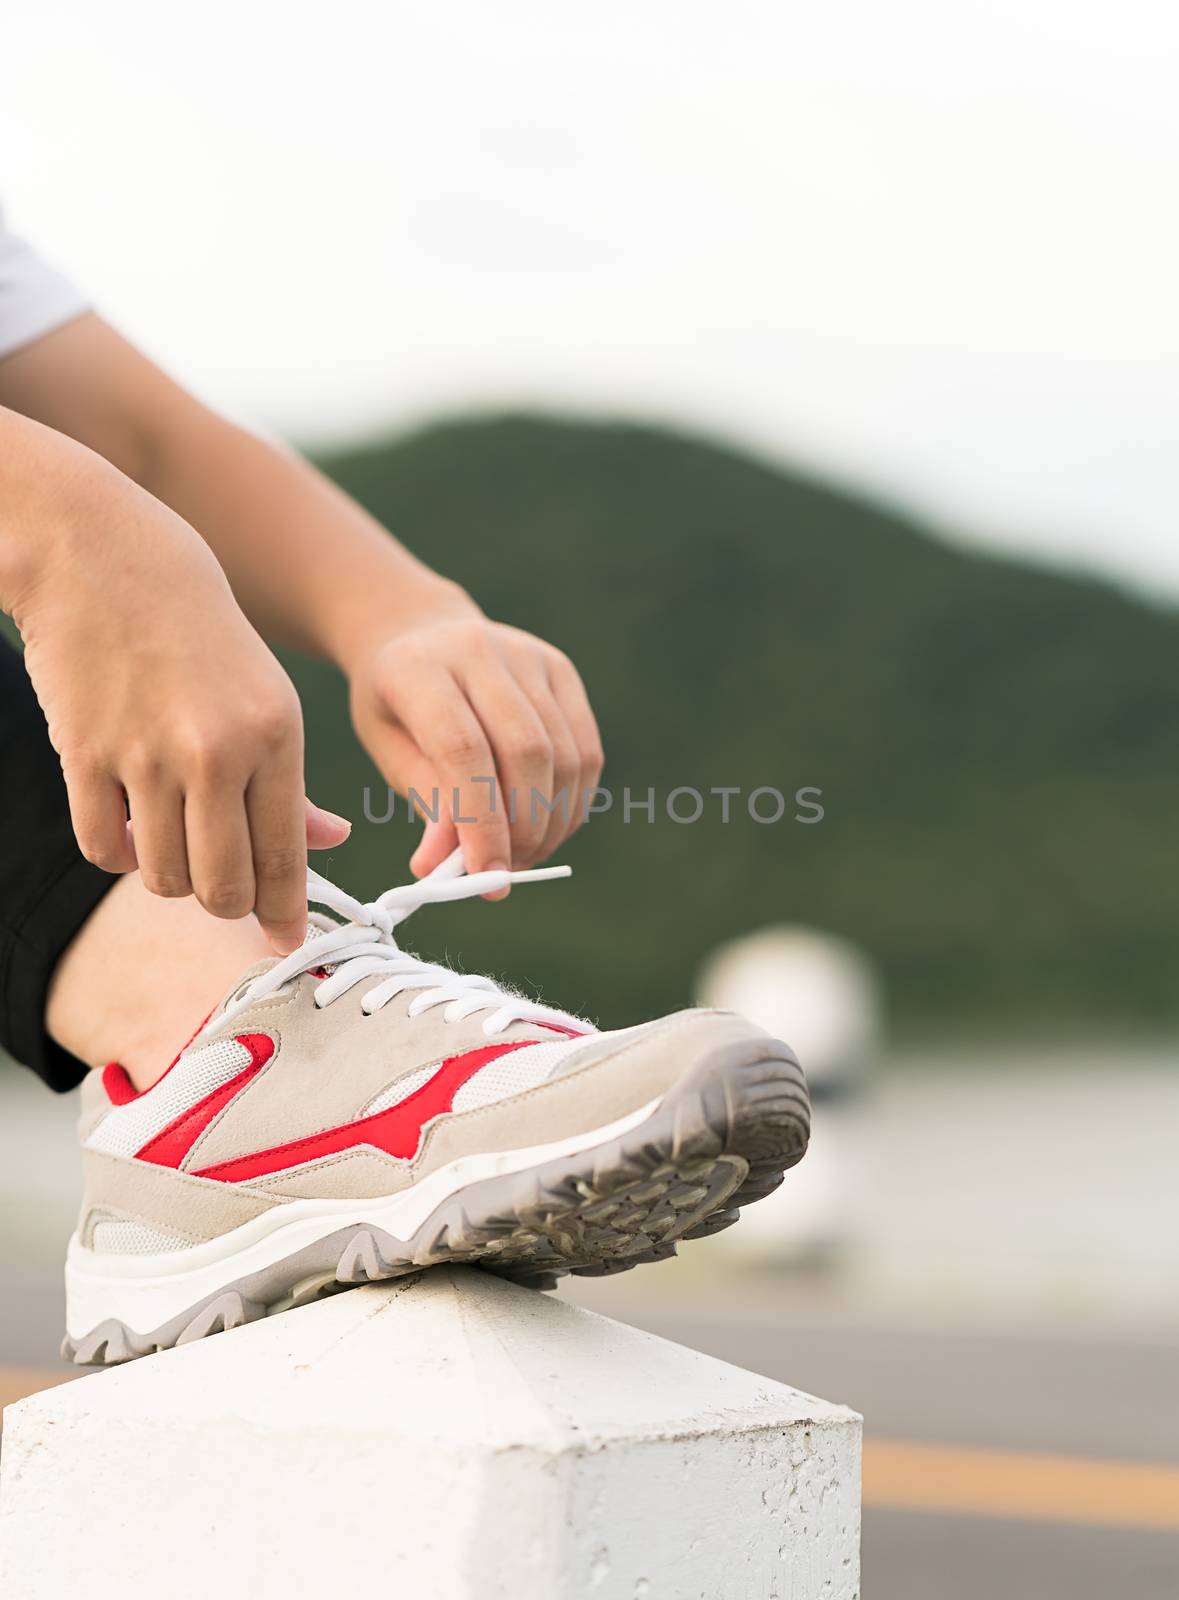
point(1038, 1179)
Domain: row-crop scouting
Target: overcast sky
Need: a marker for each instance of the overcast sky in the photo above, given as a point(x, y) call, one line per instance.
point(931, 247)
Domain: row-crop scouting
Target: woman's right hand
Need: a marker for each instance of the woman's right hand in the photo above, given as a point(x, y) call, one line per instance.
point(160, 697)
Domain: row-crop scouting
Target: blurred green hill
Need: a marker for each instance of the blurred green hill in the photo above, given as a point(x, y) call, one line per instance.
point(994, 743)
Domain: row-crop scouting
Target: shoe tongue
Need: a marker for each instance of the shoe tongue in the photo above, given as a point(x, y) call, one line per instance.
point(317, 923)
point(241, 981)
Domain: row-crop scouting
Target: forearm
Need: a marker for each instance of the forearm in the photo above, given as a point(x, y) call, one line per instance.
point(309, 566)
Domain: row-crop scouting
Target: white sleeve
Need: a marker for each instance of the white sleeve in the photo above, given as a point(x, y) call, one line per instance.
point(34, 297)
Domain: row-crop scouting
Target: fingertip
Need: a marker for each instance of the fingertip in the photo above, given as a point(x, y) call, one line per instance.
point(286, 934)
point(436, 843)
point(123, 859)
point(325, 829)
point(322, 837)
point(495, 866)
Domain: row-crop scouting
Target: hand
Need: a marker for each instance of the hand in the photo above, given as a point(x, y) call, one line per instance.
point(161, 698)
point(477, 709)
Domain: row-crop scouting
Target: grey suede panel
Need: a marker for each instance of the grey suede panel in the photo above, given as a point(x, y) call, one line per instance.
point(199, 1208)
point(615, 1078)
point(360, 1174)
point(330, 1062)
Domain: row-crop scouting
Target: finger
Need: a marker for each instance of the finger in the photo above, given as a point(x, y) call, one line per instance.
point(566, 780)
point(158, 836)
point(325, 830)
point(455, 748)
point(219, 856)
point(569, 692)
point(439, 839)
point(276, 812)
point(406, 770)
point(558, 712)
point(98, 813)
point(523, 755)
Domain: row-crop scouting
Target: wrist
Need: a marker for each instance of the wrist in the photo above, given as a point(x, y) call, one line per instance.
point(368, 618)
point(80, 527)
point(48, 484)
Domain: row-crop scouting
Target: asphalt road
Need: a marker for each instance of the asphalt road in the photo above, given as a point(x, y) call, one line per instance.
point(1056, 1394)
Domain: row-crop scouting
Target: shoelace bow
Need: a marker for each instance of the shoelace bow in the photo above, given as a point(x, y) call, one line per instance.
point(364, 947)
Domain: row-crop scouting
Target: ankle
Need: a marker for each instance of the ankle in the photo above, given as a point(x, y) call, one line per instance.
point(141, 975)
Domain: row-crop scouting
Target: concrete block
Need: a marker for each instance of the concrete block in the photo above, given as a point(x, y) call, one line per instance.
point(447, 1437)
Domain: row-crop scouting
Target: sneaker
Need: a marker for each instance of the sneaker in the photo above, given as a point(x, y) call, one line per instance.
point(351, 1112)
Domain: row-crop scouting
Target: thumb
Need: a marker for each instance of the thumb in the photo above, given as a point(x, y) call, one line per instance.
point(324, 828)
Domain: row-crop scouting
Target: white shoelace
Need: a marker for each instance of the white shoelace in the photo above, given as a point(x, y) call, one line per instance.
point(364, 947)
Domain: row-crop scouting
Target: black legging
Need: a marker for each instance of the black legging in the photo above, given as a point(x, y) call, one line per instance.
point(47, 887)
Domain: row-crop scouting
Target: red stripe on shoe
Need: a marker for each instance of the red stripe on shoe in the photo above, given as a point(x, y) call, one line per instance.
point(397, 1130)
point(116, 1080)
point(169, 1147)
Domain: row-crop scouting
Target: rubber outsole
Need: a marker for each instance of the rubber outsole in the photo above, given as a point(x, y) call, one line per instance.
point(720, 1139)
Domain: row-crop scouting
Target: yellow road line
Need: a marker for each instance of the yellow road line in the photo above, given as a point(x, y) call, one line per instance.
point(17, 1382)
point(1015, 1483)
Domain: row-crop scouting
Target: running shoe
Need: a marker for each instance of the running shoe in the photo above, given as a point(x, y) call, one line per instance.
point(352, 1112)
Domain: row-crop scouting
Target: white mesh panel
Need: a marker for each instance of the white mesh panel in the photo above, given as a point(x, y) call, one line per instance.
point(401, 1090)
point(126, 1129)
point(513, 1073)
point(509, 1074)
point(593, 1046)
point(134, 1239)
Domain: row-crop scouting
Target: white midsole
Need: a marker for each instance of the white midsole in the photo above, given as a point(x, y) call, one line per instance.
point(144, 1292)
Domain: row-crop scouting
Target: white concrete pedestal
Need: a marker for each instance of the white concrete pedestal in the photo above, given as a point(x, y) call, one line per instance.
point(450, 1437)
